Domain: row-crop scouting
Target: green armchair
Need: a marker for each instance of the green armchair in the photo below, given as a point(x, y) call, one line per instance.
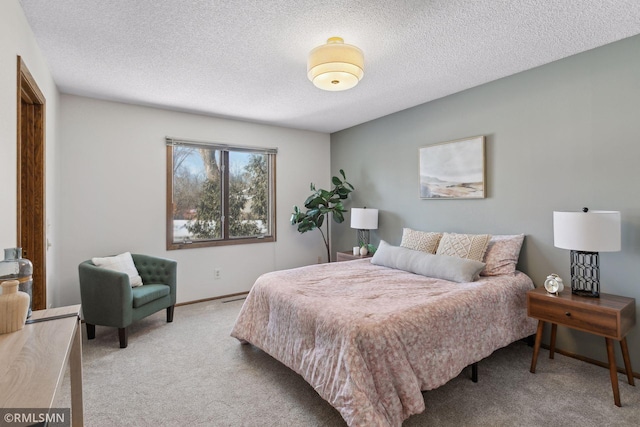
point(109, 300)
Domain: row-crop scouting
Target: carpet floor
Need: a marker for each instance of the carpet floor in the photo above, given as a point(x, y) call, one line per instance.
point(192, 373)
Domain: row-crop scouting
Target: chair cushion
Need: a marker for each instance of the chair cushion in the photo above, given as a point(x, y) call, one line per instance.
point(146, 293)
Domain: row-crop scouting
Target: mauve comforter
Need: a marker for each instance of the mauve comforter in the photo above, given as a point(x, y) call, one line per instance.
point(370, 338)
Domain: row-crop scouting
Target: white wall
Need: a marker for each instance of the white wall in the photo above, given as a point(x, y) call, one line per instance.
point(112, 193)
point(16, 38)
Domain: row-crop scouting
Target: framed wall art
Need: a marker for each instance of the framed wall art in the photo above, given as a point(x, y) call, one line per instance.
point(453, 169)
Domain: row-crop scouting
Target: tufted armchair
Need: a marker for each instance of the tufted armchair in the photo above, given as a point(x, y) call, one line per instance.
point(109, 300)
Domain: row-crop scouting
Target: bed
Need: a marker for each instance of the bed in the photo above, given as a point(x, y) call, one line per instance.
point(370, 338)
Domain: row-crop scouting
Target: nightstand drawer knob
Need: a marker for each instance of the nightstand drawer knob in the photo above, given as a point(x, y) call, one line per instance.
point(567, 314)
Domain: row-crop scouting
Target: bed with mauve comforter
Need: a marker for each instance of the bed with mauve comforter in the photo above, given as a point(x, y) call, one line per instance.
point(369, 338)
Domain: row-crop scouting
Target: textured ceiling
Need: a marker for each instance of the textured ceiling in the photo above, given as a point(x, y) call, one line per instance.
point(247, 59)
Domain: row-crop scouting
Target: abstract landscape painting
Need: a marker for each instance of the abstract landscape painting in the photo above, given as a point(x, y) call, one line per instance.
point(453, 170)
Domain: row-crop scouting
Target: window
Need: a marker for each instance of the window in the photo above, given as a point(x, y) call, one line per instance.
point(219, 194)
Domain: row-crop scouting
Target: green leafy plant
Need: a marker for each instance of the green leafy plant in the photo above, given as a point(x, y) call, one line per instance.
point(320, 204)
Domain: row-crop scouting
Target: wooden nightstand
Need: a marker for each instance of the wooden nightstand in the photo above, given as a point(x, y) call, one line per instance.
point(609, 316)
point(348, 256)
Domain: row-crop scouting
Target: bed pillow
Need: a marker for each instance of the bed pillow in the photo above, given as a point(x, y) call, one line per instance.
point(420, 240)
point(468, 246)
point(122, 263)
point(438, 266)
point(502, 255)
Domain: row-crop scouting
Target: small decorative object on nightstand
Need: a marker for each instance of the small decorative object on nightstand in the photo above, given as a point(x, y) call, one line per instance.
point(348, 256)
point(554, 284)
point(609, 316)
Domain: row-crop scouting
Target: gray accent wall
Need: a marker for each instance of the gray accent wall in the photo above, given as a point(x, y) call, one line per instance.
point(559, 137)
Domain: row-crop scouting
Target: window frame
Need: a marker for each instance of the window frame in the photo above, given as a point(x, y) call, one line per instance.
point(226, 240)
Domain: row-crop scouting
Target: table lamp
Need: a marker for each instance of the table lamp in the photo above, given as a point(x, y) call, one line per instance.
point(363, 220)
point(586, 233)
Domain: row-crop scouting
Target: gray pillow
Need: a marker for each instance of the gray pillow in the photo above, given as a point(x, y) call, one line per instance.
point(438, 266)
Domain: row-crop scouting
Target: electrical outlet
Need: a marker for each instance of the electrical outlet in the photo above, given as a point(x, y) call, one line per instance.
point(217, 274)
point(319, 259)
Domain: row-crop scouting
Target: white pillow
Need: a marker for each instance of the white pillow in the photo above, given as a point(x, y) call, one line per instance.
point(122, 263)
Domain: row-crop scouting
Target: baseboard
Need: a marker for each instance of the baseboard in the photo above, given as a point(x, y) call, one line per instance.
point(211, 299)
point(588, 360)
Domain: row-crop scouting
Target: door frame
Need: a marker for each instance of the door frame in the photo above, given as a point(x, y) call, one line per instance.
point(31, 185)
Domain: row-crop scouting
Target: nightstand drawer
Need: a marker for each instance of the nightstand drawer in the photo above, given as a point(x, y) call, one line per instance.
point(584, 318)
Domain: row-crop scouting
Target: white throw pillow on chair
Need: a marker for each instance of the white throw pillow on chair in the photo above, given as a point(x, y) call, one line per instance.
point(122, 263)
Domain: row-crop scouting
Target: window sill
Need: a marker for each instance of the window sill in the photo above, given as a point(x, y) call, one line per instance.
point(211, 243)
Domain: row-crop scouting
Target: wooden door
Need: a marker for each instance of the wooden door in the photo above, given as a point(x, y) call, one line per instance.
point(31, 220)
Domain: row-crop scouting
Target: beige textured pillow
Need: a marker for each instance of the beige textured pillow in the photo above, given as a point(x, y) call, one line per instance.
point(468, 246)
point(423, 241)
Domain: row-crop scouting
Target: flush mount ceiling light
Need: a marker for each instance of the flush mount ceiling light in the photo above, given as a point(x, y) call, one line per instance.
point(335, 66)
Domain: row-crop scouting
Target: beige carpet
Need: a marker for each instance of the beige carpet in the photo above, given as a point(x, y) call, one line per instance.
point(191, 373)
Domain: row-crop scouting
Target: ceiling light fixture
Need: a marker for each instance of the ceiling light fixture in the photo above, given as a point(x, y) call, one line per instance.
point(335, 66)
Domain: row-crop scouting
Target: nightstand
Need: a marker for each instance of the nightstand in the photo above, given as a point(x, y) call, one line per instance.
point(609, 316)
point(348, 256)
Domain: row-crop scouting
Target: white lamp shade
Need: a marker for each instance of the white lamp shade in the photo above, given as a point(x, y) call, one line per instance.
point(592, 231)
point(335, 66)
point(364, 219)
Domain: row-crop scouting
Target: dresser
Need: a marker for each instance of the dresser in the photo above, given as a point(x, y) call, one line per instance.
point(34, 360)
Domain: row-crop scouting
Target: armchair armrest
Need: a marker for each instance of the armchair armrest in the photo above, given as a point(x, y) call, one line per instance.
point(157, 270)
point(106, 296)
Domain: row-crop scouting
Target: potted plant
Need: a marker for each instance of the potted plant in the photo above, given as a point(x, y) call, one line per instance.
point(320, 204)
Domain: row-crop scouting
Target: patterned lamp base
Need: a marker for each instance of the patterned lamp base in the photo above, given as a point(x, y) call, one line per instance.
point(363, 238)
point(585, 273)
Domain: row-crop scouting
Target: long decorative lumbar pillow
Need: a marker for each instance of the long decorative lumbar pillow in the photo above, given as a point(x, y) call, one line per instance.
point(438, 266)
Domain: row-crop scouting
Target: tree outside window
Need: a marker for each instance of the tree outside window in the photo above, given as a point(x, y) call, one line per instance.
point(219, 195)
